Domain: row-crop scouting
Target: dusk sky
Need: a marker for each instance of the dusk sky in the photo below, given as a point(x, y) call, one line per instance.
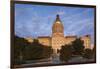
point(37, 20)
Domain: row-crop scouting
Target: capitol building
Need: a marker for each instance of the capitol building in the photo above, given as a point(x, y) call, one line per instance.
point(57, 38)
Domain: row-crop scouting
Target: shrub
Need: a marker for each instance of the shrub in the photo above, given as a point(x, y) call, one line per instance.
point(88, 53)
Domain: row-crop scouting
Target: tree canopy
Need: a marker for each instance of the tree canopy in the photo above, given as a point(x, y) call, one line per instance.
point(78, 46)
point(23, 50)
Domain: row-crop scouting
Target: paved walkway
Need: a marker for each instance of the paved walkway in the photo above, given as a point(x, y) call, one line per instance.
point(55, 59)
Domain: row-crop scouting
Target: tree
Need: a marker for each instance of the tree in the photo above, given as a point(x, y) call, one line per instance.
point(78, 46)
point(66, 52)
point(88, 53)
point(23, 50)
point(47, 51)
point(18, 49)
point(35, 51)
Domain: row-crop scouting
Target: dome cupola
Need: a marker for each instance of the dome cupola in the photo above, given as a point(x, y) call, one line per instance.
point(57, 26)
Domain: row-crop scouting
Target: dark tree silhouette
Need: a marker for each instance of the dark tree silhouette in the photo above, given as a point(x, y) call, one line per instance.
point(18, 49)
point(23, 50)
point(78, 46)
point(35, 51)
point(66, 52)
point(88, 53)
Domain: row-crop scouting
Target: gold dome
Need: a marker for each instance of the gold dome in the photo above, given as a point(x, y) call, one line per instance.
point(57, 26)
